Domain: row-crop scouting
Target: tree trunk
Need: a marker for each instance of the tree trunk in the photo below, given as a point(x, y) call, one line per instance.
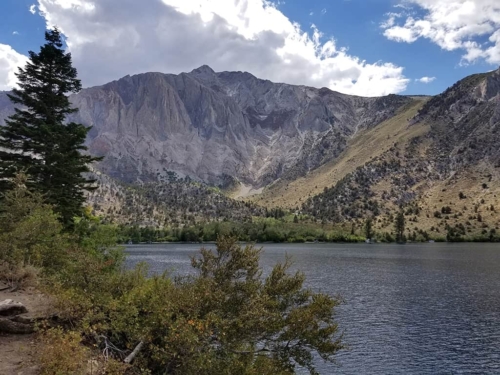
point(9, 326)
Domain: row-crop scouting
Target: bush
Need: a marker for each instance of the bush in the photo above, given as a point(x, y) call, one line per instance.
point(19, 277)
point(61, 353)
point(30, 236)
point(224, 318)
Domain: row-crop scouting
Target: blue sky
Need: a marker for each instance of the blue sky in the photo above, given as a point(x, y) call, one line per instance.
point(356, 24)
point(18, 19)
point(363, 47)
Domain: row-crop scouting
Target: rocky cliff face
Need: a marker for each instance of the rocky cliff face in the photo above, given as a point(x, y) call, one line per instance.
point(465, 123)
point(209, 126)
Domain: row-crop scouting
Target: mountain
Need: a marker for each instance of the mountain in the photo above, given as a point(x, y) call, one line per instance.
point(219, 127)
point(438, 158)
point(328, 155)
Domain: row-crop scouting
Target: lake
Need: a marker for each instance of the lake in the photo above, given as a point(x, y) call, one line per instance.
point(409, 309)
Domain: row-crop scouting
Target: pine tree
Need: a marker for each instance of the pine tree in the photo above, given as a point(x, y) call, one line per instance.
point(369, 228)
point(36, 139)
point(399, 226)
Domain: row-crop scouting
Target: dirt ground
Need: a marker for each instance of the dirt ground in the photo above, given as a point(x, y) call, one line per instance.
point(17, 355)
point(18, 352)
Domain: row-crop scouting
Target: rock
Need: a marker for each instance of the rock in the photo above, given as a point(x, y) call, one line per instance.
point(9, 307)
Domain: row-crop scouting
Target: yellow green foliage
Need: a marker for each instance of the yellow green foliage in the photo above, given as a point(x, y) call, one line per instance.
point(227, 317)
point(30, 235)
point(62, 354)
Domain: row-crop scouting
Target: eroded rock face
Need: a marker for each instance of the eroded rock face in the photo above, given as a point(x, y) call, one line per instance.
point(465, 123)
point(208, 125)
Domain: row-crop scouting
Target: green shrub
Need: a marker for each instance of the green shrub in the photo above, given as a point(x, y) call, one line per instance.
point(61, 353)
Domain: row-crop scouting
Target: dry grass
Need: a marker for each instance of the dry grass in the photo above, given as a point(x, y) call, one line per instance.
point(434, 195)
point(19, 277)
point(478, 200)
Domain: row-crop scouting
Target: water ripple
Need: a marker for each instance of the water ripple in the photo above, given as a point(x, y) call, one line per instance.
point(414, 309)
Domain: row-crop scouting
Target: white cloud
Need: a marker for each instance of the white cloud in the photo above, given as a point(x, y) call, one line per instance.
point(323, 11)
point(112, 38)
point(391, 20)
point(468, 25)
point(426, 79)
point(15, 33)
point(10, 60)
point(33, 9)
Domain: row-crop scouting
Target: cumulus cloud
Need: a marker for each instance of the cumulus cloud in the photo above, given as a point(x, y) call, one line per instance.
point(112, 38)
point(10, 60)
point(426, 79)
point(33, 9)
point(469, 25)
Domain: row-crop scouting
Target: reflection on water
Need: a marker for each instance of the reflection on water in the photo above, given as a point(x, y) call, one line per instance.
point(410, 309)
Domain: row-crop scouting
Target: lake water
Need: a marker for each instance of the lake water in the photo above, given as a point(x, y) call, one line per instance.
point(409, 309)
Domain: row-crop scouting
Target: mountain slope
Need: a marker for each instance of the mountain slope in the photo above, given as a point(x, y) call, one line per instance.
point(331, 156)
point(218, 127)
point(175, 203)
point(360, 150)
point(445, 173)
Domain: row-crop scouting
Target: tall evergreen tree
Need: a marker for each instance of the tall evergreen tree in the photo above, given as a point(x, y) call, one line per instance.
point(36, 139)
point(369, 228)
point(399, 226)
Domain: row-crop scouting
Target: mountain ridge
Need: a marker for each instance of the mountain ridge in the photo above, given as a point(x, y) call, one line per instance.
point(210, 125)
point(332, 156)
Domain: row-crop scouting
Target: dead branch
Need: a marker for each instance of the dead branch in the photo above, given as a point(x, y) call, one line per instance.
point(136, 351)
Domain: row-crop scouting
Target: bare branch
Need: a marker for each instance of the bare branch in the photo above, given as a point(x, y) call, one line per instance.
point(136, 351)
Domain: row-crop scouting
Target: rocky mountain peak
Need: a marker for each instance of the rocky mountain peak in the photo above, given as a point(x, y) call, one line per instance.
point(203, 70)
point(211, 126)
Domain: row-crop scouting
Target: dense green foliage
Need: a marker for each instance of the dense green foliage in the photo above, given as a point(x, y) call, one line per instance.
point(226, 318)
point(369, 228)
point(399, 226)
point(254, 230)
point(35, 140)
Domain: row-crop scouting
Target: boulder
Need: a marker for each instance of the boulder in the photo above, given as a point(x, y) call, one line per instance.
point(9, 307)
point(11, 320)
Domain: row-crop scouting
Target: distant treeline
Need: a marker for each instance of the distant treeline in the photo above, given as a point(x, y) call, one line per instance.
point(280, 230)
point(259, 230)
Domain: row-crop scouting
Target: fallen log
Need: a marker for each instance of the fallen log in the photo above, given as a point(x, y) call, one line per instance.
point(9, 307)
point(9, 326)
point(24, 319)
